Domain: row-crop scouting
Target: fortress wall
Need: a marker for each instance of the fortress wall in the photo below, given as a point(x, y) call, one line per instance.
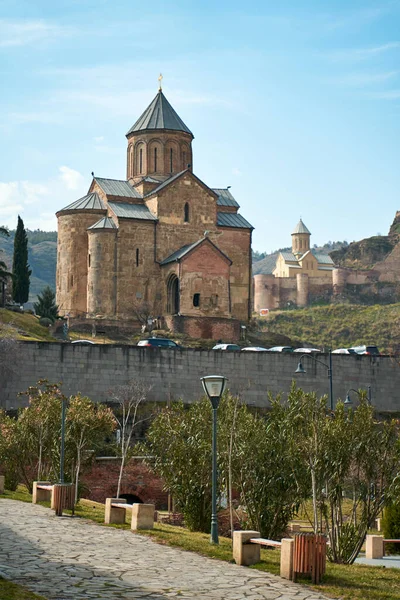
point(94, 370)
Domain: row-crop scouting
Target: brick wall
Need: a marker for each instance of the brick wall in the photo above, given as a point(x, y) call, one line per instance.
point(205, 327)
point(173, 374)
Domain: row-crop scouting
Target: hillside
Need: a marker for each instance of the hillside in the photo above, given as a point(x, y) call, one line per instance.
point(338, 326)
point(42, 258)
point(22, 327)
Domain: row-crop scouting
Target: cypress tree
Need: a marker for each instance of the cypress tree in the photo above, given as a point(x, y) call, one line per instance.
point(21, 270)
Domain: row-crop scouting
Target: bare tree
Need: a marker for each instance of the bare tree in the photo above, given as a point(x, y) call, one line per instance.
point(128, 399)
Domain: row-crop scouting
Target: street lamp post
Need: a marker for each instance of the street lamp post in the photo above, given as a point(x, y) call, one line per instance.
point(213, 386)
point(300, 369)
point(369, 395)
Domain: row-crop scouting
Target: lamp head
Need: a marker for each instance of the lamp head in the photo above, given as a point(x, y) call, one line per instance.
point(348, 400)
point(300, 368)
point(214, 386)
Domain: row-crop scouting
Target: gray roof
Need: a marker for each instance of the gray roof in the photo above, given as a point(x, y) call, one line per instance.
point(265, 266)
point(117, 187)
point(301, 228)
point(178, 254)
point(166, 182)
point(91, 201)
point(104, 223)
point(232, 220)
point(131, 211)
point(323, 259)
point(289, 256)
point(225, 198)
point(159, 115)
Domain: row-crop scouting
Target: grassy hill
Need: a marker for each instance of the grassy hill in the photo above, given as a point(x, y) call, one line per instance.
point(338, 326)
point(22, 327)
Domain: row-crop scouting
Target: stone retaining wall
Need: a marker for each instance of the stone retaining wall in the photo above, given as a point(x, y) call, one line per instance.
point(94, 370)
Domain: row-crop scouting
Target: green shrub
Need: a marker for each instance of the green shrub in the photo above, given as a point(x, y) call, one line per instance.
point(391, 526)
point(45, 322)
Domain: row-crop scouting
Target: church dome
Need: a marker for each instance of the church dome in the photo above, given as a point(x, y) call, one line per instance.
point(300, 228)
point(159, 115)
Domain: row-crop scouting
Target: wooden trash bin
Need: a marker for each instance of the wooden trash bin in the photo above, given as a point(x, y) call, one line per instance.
point(63, 497)
point(309, 556)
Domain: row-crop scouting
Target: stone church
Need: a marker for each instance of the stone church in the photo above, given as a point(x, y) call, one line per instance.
point(161, 237)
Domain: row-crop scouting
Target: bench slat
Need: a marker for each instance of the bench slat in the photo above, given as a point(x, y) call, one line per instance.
point(120, 505)
point(264, 542)
point(45, 487)
point(391, 541)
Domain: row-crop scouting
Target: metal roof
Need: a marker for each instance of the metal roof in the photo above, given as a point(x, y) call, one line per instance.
point(131, 211)
point(166, 182)
point(104, 223)
point(225, 198)
point(289, 256)
point(301, 228)
point(323, 259)
point(264, 266)
point(159, 115)
point(89, 202)
point(232, 220)
point(117, 187)
point(178, 254)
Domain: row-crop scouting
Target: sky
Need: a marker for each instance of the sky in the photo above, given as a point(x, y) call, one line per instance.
point(295, 104)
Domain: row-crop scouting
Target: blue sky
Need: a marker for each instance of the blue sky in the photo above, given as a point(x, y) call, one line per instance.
point(293, 103)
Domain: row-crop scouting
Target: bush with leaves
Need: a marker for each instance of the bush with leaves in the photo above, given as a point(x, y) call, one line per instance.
point(46, 306)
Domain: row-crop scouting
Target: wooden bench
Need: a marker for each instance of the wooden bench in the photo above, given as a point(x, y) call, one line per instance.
point(388, 541)
point(60, 495)
point(142, 514)
point(265, 542)
point(246, 550)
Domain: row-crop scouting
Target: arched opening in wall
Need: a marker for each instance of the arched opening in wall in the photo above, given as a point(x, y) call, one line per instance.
point(186, 215)
point(131, 499)
point(173, 299)
point(171, 160)
point(140, 159)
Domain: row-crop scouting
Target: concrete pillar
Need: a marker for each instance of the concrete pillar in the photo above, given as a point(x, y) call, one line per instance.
point(39, 495)
point(374, 546)
point(379, 523)
point(142, 516)
point(1, 484)
point(244, 553)
point(113, 514)
point(287, 552)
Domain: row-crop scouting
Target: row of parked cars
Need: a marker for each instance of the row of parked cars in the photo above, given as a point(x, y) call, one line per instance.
point(369, 350)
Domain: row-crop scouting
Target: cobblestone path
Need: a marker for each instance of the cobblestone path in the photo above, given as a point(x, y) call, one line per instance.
point(74, 559)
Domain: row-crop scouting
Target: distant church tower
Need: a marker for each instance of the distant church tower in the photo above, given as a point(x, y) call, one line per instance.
point(159, 143)
point(300, 239)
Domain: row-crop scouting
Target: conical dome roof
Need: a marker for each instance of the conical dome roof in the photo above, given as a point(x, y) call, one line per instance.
point(159, 115)
point(300, 228)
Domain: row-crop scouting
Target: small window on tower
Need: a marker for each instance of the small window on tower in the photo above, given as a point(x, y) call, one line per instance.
point(171, 153)
point(89, 260)
point(196, 300)
point(155, 159)
point(186, 213)
point(140, 160)
point(137, 257)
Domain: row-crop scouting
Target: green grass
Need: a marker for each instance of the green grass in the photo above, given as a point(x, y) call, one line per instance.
point(12, 591)
point(339, 325)
point(23, 326)
point(345, 582)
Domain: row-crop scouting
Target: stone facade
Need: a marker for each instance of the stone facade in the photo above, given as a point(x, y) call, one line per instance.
point(173, 374)
point(162, 237)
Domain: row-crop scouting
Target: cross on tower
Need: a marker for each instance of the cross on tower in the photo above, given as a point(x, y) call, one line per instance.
point(160, 78)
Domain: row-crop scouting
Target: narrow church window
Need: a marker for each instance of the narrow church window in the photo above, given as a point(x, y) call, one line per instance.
point(155, 159)
point(186, 211)
point(170, 159)
point(89, 259)
point(184, 161)
point(196, 300)
point(140, 160)
point(214, 299)
point(137, 257)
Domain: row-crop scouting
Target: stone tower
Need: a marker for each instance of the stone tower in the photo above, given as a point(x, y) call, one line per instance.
point(159, 143)
point(300, 239)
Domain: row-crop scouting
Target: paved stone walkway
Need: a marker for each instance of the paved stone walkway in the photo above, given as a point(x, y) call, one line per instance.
point(74, 559)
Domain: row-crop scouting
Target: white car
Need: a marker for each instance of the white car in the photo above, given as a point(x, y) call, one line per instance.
point(307, 350)
point(227, 347)
point(254, 349)
point(84, 342)
point(343, 351)
point(280, 349)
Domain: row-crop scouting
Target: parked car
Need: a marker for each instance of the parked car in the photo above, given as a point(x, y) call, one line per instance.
point(158, 343)
point(84, 342)
point(307, 350)
point(280, 349)
point(254, 349)
point(370, 350)
point(344, 351)
point(227, 347)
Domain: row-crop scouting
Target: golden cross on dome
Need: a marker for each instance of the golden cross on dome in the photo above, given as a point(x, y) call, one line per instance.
point(160, 78)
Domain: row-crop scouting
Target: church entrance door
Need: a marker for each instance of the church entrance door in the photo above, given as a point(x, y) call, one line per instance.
point(173, 295)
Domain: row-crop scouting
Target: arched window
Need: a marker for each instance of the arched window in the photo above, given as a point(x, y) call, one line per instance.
point(155, 160)
point(141, 160)
point(184, 160)
point(196, 300)
point(171, 153)
point(137, 257)
point(173, 299)
point(186, 213)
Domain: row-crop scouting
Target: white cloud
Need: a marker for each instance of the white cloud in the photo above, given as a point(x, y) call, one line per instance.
point(387, 95)
point(37, 202)
point(71, 178)
point(24, 32)
point(99, 139)
point(359, 54)
point(237, 172)
point(362, 79)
